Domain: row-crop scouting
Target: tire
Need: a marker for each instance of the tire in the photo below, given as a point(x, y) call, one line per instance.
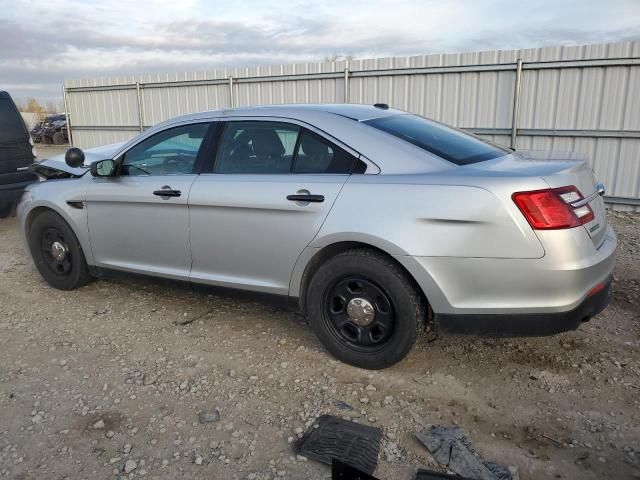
point(58, 138)
point(67, 272)
point(374, 334)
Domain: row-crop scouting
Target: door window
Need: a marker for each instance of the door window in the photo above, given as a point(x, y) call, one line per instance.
point(257, 147)
point(171, 152)
point(276, 147)
point(318, 155)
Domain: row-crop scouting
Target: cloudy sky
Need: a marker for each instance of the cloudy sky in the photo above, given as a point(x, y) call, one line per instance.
point(43, 42)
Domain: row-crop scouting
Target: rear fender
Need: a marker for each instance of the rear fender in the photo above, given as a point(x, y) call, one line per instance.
point(432, 292)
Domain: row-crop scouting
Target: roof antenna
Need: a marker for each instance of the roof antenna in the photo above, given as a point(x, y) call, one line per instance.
point(382, 106)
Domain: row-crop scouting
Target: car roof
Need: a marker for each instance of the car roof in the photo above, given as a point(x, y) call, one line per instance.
point(341, 122)
point(354, 111)
point(358, 112)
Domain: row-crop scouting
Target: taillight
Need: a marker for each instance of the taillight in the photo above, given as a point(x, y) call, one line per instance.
point(551, 208)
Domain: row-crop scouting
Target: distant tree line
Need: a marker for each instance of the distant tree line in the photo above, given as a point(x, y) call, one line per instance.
point(32, 105)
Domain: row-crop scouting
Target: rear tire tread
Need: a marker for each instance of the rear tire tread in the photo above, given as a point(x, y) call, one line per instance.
point(79, 275)
point(412, 305)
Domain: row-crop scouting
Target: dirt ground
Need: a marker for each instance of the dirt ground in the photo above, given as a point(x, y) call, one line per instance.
point(46, 151)
point(103, 383)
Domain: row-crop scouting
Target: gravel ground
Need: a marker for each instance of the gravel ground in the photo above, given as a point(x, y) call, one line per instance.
point(46, 151)
point(104, 383)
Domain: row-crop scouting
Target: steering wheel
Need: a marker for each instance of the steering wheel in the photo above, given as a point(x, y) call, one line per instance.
point(178, 163)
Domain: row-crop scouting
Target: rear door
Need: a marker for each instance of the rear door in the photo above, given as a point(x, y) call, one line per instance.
point(271, 187)
point(139, 220)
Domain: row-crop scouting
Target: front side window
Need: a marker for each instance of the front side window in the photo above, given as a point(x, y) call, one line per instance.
point(447, 143)
point(171, 152)
point(257, 147)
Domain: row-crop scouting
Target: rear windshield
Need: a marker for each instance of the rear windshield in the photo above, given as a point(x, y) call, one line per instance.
point(11, 125)
point(448, 143)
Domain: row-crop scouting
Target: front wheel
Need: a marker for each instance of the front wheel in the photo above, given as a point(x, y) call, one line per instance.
point(365, 309)
point(57, 253)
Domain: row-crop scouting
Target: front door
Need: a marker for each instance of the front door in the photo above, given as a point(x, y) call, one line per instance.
point(271, 188)
point(139, 220)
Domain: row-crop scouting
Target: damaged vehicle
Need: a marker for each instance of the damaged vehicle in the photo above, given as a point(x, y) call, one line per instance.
point(371, 221)
point(52, 131)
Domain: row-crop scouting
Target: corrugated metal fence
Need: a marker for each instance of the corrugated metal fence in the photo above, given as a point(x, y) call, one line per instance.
point(577, 98)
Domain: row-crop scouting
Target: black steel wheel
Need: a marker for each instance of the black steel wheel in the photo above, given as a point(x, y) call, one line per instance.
point(57, 253)
point(359, 313)
point(365, 309)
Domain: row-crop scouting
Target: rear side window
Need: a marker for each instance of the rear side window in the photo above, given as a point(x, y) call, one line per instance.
point(448, 143)
point(265, 147)
point(11, 125)
point(257, 147)
point(317, 155)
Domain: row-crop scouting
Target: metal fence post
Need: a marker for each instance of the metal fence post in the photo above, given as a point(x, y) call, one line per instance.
point(346, 82)
point(140, 112)
point(516, 104)
point(67, 115)
point(231, 99)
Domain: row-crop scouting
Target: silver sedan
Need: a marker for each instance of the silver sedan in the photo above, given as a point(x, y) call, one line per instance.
point(373, 222)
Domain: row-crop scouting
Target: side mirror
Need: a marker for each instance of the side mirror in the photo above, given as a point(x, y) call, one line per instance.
point(74, 157)
point(103, 168)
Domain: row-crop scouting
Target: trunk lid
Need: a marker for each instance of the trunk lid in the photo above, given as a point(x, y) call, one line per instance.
point(557, 169)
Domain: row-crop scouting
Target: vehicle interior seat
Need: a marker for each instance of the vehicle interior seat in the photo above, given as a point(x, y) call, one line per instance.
point(314, 156)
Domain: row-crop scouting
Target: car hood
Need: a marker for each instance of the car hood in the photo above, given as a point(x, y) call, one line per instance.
point(56, 166)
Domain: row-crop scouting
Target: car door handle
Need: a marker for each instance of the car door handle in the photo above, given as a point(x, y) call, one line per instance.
point(166, 191)
point(306, 198)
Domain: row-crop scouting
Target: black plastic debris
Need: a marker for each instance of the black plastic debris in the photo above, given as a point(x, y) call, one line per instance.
point(342, 471)
point(333, 438)
point(423, 474)
point(451, 447)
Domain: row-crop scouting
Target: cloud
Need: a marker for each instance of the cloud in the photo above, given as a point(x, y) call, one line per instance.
point(77, 39)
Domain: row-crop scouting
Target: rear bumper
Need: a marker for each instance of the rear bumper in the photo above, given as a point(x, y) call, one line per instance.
point(502, 296)
point(525, 324)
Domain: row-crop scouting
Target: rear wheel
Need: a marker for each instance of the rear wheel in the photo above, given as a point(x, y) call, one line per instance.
point(57, 253)
point(365, 309)
point(58, 138)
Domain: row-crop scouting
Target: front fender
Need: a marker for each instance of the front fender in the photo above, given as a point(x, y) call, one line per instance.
point(55, 195)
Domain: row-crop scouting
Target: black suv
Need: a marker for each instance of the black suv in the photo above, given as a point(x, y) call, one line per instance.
point(16, 153)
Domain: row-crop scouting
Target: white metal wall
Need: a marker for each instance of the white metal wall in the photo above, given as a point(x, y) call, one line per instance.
point(579, 98)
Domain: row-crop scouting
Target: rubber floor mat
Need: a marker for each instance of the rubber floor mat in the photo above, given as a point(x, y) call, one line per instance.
point(422, 474)
point(352, 443)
